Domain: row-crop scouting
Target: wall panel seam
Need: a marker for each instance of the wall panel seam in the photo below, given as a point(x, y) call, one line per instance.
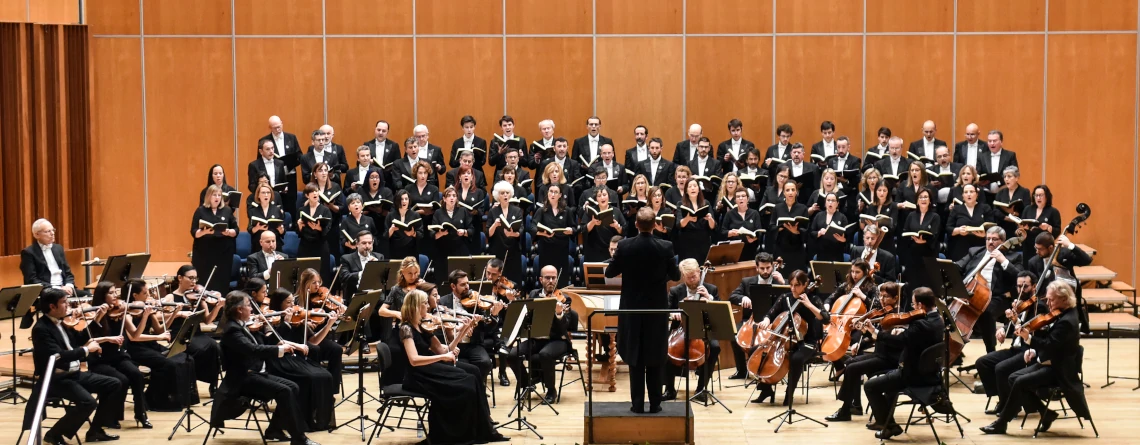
point(1045, 97)
point(233, 79)
point(146, 166)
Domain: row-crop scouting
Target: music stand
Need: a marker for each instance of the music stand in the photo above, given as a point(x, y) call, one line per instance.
point(121, 268)
point(374, 276)
point(355, 320)
point(727, 253)
point(595, 276)
point(14, 303)
point(473, 265)
point(394, 272)
point(763, 296)
point(177, 346)
point(949, 333)
point(286, 273)
point(709, 320)
point(945, 279)
point(527, 319)
point(831, 274)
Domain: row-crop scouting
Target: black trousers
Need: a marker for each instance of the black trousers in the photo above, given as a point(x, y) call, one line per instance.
point(128, 376)
point(857, 368)
point(1023, 392)
point(541, 354)
point(643, 379)
point(287, 416)
point(207, 357)
point(330, 351)
point(476, 354)
point(882, 392)
point(995, 368)
point(986, 327)
point(796, 362)
point(78, 388)
point(703, 372)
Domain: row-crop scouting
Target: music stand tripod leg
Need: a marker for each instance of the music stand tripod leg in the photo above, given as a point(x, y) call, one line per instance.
point(519, 422)
point(360, 392)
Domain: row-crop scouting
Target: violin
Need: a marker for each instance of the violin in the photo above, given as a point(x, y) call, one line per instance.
point(473, 300)
point(198, 292)
point(330, 302)
point(1041, 321)
point(79, 318)
point(505, 288)
point(901, 318)
point(746, 337)
point(1024, 305)
point(299, 315)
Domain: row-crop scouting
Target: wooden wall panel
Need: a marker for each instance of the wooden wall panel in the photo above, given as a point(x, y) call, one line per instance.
point(819, 16)
point(1097, 170)
point(820, 91)
point(113, 16)
point(643, 92)
point(13, 10)
point(190, 126)
point(445, 95)
point(280, 17)
point(64, 12)
point(715, 95)
point(119, 221)
point(1007, 99)
point(728, 16)
point(473, 17)
point(564, 94)
point(1081, 15)
point(1003, 16)
point(10, 274)
point(361, 92)
point(547, 17)
point(639, 16)
point(199, 17)
point(263, 90)
point(909, 80)
point(368, 16)
point(910, 15)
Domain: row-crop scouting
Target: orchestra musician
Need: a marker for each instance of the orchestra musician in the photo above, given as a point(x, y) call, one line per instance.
point(999, 273)
point(642, 340)
point(202, 349)
point(493, 273)
point(258, 264)
point(1067, 259)
point(473, 349)
point(766, 273)
point(50, 337)
point(541, 354)
point(885, 260)
point(352, 264)
point(308, 289)
point(810, 310)
point(389, 313)
point(317, 386)
point(247, 377)
point(882, 390)
point(172, 379)
point(690, 288)
point(995, 367)
point(1051, 356)
point(44, 263)
point(114, 361)
point(885, 357)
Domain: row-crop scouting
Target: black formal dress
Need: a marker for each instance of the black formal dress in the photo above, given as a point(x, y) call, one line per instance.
point(891, 211)
point(402, 244)
point(172, 379)
point(381, 242)
point(232, 204)
point(506, 248)
point(351, 226)
point(555, 251)
point(317, 388)
point(596, 245)
point(642, 340)
point(788, 245)
point(314, 243)
point(116, 363)
point(202, 349)
point(914, 263)
point(264, 215)
point(826, 247)
point(1004, 195)
point(750, 220)
point(1047, 215)
point(963, 216)
point(451, 244)
point(214, 253)
point(693, 240)
point(476, 203)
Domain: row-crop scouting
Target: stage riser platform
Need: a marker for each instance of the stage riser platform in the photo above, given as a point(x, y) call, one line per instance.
point(614, 423)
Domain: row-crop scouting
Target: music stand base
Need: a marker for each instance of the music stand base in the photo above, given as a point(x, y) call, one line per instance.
point(187, 418)
point(710, 400)
point(790, 416)
point(12, 394)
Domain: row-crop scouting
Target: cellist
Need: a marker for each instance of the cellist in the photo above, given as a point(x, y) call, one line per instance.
point(1000, 273)
point(691, 288)
point(885, 357)
point(766, 273)
point(859, 284)
point(810, 310)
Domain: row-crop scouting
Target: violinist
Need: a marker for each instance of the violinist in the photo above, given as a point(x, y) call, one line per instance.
point(352, 263)
point(318, 385)
point(172, 384)
point(493, 273)
point(258, 264)
point(804, 349)
point(309, 289)
point(886, 261)
point(1066, 259)
point(114, 361)
point(49, 337)
point(854, 369)
point(389, 311)
point(691, 289)
point(542, 353)
point(766, 273)
point(1051, 358)
point(995, 367)
point(882, 390)
point(202, 349)
point(474, 349)
point(1001, 272)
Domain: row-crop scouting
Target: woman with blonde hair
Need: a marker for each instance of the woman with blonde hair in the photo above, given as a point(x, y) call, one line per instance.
point(214, 229)
point(554, 175)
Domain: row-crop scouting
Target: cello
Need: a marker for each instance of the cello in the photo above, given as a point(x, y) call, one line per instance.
point(690, 356)
point(768, 362)
point(746, 337)
point(965, 312)
point(847, 309)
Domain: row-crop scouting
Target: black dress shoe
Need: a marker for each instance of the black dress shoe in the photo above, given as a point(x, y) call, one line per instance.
point(50, 439)
point(843, 415)
point(874, 426)
point(1047, 419)
point(889, 431)
point(669, 394)
point(550, 398)
point(765, 394)
point(98, 435)
point(637, 409)
point(142, 422)
point(276, 436)
point(115, 426)
point(738, 376)
point(503, 380)
point(998, 427)
point(701, 397)
point(655, 408)
point(996, 410)
point(856, 410)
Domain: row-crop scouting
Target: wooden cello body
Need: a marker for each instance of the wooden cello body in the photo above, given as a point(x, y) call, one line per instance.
point(768, 362)
point(692, 355)
point(838, 339)
point(748, 336)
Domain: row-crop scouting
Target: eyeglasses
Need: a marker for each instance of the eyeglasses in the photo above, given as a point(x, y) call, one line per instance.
point(550, 278)
point(193, 278)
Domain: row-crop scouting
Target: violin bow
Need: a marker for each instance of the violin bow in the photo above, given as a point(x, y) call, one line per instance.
point(201, 295)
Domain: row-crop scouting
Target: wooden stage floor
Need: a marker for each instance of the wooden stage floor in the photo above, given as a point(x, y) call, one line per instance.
point(1115, 410)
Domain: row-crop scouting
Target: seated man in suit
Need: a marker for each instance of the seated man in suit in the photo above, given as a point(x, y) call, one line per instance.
point(466, 159)
point(43, 263)
point(244, 360)
point(888, 264)
point(766, 273)
point(265, 164)
point(50, 337)
point(354, 179)
point(1068, 258)
point(485, 334)
point(353, 263)
point(542, 353)
point(691, 289)
point(995, 367)
point(258, 264)
point(883, 389)
point(1052, 362)
point(1000, 273)
point(732, 151)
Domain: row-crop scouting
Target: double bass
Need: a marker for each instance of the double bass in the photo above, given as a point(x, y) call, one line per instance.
point(690, 356)
point(965, 312)
point(768, 362)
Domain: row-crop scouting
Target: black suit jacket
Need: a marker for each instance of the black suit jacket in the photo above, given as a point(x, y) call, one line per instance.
point(1007, 159)
point(649, 262)
point(476, 142)
point(352, 265)
point(817, 149)
point(1059, 343)
point(888, 264)
point(631, 161)
point(884, 167)
point(353, 175)
point(1067, 258)
point(918, 336)
point(1004, 279)
point(48, 341)
point(665, 170)
point(581, 149)
point(337, 164)
point(681, 155)
point(35, 269)
point(571, 170)
point(242, 355)
point(960, 154)
point(724, 147)
point(561, 328)
point(257, 168)
point(679, 292)
point(919, 148)
point(291, 146)
point(434, 157)
point(392, 152)
point(256, 265)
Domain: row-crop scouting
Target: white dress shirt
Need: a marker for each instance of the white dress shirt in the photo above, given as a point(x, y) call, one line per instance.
point(270, 257)
point(828, 148)
point(279, 141)
point(972, 154)
point(469, 143)
point(797, 169)
point(270, 171)
point(53, 267)
point(593, 140)
point(653, 169)
point(928, 147)
point(642, 152)
point(74, 365)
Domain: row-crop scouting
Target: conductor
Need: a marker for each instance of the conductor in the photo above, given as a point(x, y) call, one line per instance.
point(642, 340)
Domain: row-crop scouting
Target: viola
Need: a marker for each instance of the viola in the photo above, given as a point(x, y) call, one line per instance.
point(843, 315)
point(768, 362)
point(1042, 320)
point(897, 319)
